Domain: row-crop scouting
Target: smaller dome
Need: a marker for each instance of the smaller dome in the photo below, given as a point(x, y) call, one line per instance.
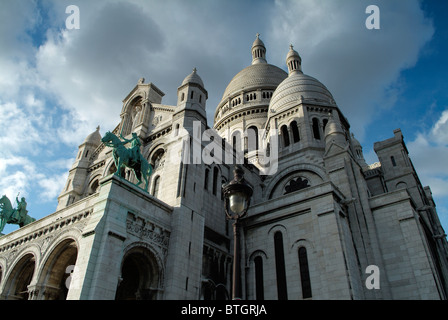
point(193, 78)
point(355, 142)
point(333, 127)
point(299, 87)
point(257, 42)
point(292, 53)
point(94, 137)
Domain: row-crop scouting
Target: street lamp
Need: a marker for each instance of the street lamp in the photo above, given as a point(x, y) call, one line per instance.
point(237, 194)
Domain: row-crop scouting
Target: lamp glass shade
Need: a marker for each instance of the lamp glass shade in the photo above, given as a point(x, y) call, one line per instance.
point(237, 202)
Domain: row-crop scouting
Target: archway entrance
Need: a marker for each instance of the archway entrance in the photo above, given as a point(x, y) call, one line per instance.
point(57, 269)
point(139, 276)
point(20, 278)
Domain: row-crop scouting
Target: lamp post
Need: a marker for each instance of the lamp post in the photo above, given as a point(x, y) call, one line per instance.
point(237, 194)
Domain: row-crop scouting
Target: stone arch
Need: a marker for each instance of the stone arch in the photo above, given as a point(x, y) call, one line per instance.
point(2, 271)
point(283, 230)
point(21, 274)
point(302, 243)
point(313, 173)
point(109, 168)
point(141, 274)
point(156, 154)
point(58, 263)
point(257, 253)
point(257, 263)
point(133, 112)
point(400, 185)
point(92, 185)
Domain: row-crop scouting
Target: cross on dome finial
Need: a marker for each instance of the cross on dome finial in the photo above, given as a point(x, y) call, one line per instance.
point(291, 47)
point(194, 69)
point(258, 35)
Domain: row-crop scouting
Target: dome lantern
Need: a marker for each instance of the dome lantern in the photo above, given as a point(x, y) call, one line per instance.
point(258, 51)
point(293, 61)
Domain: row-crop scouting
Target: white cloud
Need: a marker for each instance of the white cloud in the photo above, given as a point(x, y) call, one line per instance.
point(429, 152)
point(20, 174)
point(360, 67)
point(440, 130)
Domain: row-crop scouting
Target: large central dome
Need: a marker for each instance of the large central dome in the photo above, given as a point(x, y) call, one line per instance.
point(253, 77)
point(250, 89)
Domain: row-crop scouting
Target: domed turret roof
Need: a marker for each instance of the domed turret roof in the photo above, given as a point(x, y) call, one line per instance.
point(298, 86)
point(193, 78)
point(94, 137)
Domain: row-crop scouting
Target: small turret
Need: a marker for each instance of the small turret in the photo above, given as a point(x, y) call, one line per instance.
point(73, 190)
point(258, 51)
point(293, 61)
point(192, 91)
point(357, 148)
point(334, 133)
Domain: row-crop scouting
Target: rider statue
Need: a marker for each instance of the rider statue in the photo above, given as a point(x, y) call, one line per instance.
point(135, 146)
point(10, 215)
point(21, 209)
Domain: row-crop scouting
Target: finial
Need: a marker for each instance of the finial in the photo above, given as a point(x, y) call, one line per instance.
point(291, 47)
point(141, 80)
point(98, 128)
point(194, 70)
point(258, 35)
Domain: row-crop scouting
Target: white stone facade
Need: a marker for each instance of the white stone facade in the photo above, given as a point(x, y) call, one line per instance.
point(314, 226)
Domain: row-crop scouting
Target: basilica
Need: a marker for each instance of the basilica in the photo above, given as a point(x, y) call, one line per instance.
point(321, 223)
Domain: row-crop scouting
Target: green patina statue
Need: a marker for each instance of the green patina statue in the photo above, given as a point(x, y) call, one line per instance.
point(14, 216)
point(129, 157)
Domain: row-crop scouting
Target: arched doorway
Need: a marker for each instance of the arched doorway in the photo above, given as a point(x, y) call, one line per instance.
point(54, 279)
point(139, 276)
point(20, 278)
point(1, 276)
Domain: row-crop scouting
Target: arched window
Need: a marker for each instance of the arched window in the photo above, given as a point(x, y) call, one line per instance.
point(252, 134)
point(192, 95)
point(94, 187)
point(182, 97)
point(155, 187)
point(304, 273)
point(295, 132)
point(207, 174)
point(285, 134)
point(215, 179)
point(392, 159)
point(237, 141)
point(282, 291)
point(324, 124)
point(316, 130)
point(259, 282)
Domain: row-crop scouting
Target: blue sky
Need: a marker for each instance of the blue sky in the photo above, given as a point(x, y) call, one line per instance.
point(57, 85)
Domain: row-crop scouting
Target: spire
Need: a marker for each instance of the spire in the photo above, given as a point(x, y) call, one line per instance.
point(334, 132)
point(258, 51)
point(293, 61)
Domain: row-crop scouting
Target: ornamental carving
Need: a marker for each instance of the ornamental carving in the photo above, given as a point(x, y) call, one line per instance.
point(148, 231)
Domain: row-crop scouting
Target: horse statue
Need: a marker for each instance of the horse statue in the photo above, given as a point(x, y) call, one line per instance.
point(129, 157)
point(14, 216)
